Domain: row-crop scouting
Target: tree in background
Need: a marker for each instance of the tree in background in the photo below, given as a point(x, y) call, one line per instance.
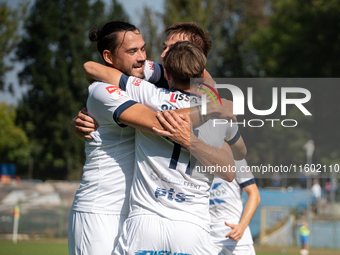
point(302, 39)
point(14, 144)
point(9, 37)
point(54, 48)
point(152, 31)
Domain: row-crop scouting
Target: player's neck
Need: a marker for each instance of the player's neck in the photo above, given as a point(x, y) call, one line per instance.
point(179, 86)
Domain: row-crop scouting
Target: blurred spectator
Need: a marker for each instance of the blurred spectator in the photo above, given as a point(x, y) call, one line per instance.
point(328, 188)
point(304, 234)
point(276, 179)
point(316, 191)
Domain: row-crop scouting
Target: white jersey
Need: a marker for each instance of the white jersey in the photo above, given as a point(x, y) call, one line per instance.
point(108, 171)
point(164, 184)
point(226, 206)
point(153, 72)
point(110, 156)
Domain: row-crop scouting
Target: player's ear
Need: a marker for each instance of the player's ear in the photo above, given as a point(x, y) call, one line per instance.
point(108, 57)
point(167, 75)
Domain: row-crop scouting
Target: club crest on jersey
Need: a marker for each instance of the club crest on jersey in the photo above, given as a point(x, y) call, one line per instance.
point(115, 92)
point(136, 81)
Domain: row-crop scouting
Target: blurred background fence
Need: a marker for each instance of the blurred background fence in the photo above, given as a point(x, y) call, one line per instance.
point(44, 207)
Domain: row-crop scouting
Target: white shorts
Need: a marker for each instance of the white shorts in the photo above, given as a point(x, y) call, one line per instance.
point(93, 233)
point(151, 234)
point(235, 250)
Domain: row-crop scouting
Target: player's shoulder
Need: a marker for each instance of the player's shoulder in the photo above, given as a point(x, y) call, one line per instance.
point(105, 91)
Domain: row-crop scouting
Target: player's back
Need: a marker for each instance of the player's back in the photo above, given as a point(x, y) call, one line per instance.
point(164, 184)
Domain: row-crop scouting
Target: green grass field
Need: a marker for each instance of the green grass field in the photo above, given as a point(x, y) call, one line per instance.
point(39, 247)
point(59, 247)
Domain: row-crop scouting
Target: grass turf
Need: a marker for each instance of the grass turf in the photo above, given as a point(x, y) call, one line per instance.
point(59, 247)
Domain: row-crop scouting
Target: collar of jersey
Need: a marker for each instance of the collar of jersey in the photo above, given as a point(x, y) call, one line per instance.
point(184, 92)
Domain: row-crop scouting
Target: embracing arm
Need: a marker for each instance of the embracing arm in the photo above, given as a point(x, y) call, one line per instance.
point(82, 124)
point(211, 156)
point(249, 211)
point(178, 129)
point(239, 149)
point(98, 72)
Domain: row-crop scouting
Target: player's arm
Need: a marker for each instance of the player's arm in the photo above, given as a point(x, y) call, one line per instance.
point(249, 211)
point(98, 72)
point(179, 130)
point(82, 124)
point(239, 149)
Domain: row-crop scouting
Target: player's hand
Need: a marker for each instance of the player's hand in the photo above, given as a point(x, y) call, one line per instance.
point(82, 125)
point(225, 111)
point(176, 127)
point(237, 231)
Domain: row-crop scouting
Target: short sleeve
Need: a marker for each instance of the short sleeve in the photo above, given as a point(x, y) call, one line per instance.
point(232, 134)
point(106, 102)
point(244, 176)
point(153, 72)
point(139, 90)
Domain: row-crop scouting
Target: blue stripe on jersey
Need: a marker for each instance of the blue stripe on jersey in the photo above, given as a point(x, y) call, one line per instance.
point(121, 109)
point(216, 185)
point(175, 156)
point(219, 201)
point(235, 138)
point(247, 183)
point(123, 81)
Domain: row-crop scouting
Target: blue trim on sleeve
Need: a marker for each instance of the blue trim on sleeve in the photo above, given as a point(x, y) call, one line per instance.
point(235, 138)
point(123, 81)
point(247, 183)
point(120, 110)
point(162, 83)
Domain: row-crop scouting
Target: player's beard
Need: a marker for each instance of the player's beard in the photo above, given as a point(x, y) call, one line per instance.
point(138, 73)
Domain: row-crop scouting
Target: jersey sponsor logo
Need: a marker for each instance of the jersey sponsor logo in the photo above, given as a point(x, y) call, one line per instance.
point(150, 65)
point(115, 92)
point(172, 196)
point(216, 200)
point(214, 192)
point(136, 81)
point(174, 181)
point(166, 107)
point(141, 252)
point(174, 97)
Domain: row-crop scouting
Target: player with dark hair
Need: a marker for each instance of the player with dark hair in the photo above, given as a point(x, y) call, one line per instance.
point(115, 35)
point(100, 205)
point(187, 31)
point(101, 202)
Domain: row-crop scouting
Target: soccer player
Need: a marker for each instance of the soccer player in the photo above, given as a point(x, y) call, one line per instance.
point(101, 202)
point(181, 31)
point(229, 223)
point(100, 205)
point(169, 208)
